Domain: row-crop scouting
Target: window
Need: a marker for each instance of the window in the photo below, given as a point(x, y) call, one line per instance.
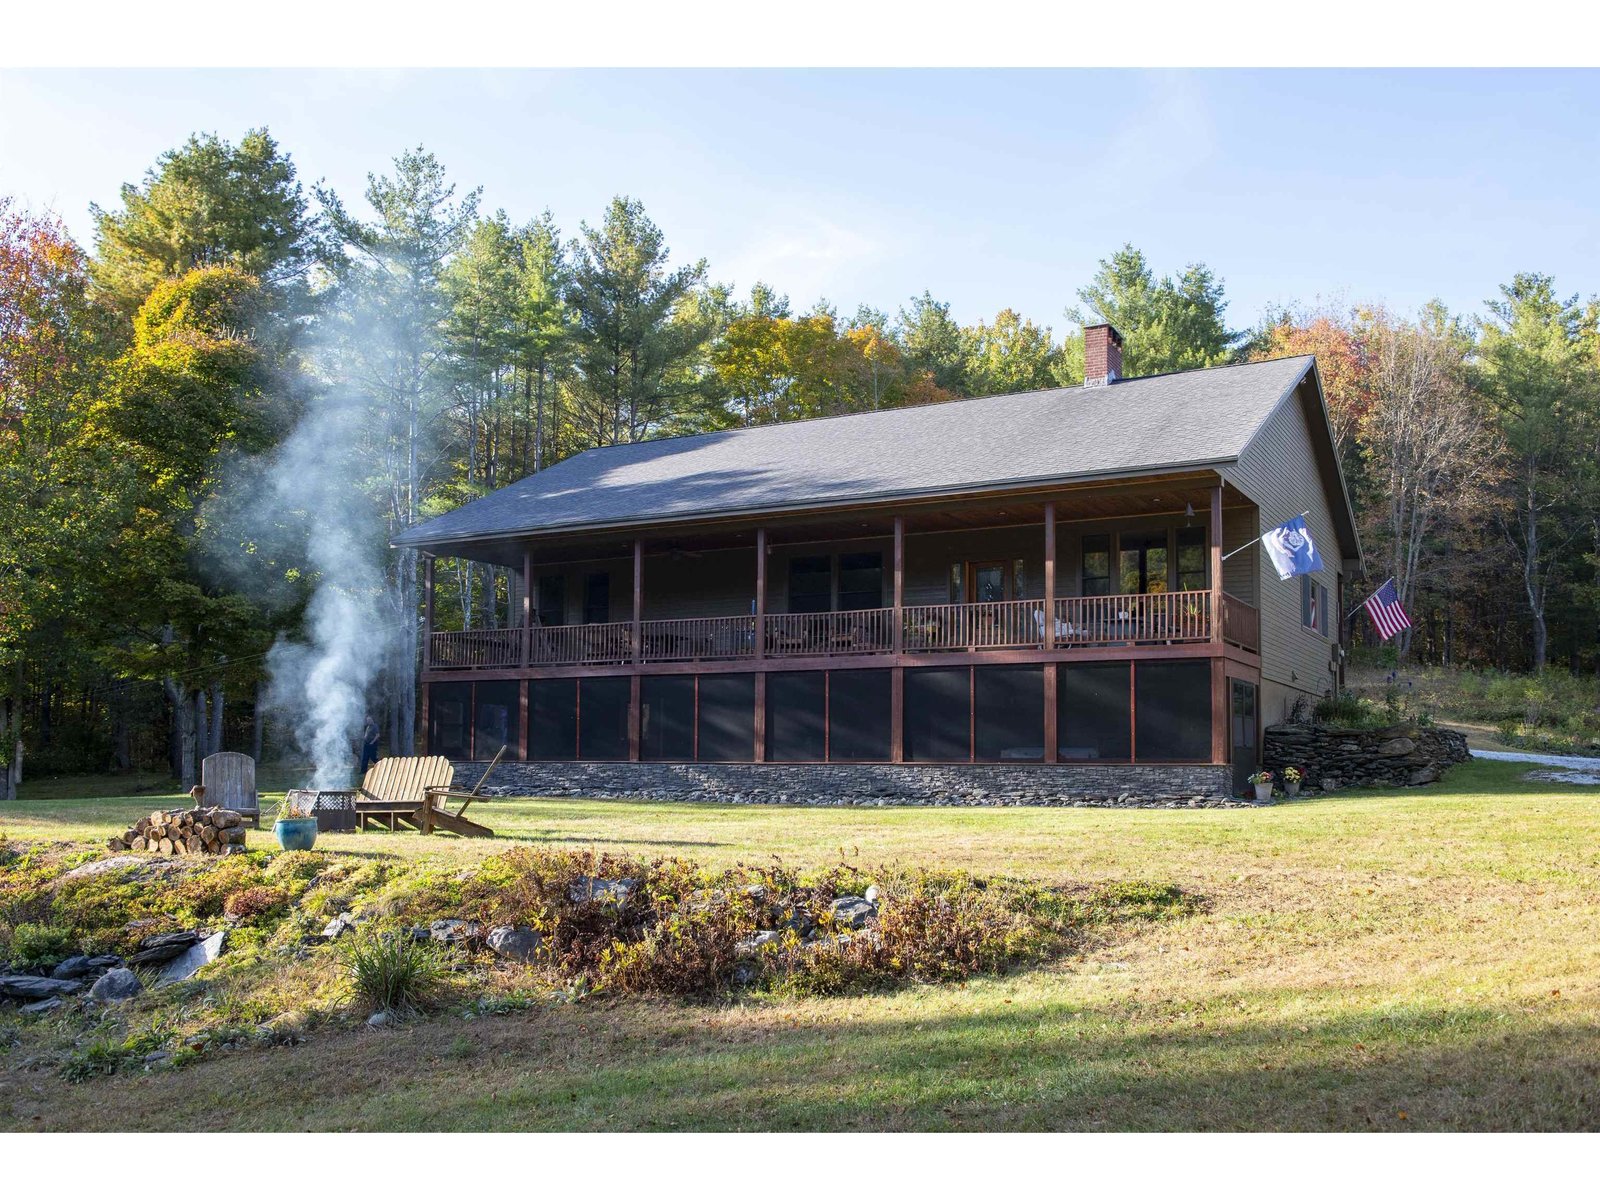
point(597, 599)
point(1144, 563)
point(860, 581)
point(811, 584)
point(552, 599)
point(1097, 564)
point(1314, 605)
point(1192, 565)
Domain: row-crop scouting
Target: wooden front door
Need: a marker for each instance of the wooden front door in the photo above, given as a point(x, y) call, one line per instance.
point(988, 582)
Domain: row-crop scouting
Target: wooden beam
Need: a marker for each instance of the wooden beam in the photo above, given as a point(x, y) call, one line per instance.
point(898, 631)
point(522, 718)
point(1049, 574)
point(638, 600)
point(761, 593)
point(635, 714)
point(527, 605)
point(761, 717)
point(427, 611)
point(1220, 710)
point(1216, 563)
point(897, 715)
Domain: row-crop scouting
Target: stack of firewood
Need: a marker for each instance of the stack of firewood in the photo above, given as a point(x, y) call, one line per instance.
point(181, 831)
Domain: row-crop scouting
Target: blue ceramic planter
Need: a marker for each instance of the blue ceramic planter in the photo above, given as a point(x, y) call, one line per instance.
point(296, 833)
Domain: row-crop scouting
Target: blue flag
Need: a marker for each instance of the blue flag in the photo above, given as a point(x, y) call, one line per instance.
point(1291, 549)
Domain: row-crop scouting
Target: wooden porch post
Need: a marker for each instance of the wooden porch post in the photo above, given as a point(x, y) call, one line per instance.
point(1050, 630)
point(427, 612)
point(1220, 711)
point(527, 610)
point(761, 646)
point(898, 630)
point(1216, 564)
point(522, 718)
point(635, 704)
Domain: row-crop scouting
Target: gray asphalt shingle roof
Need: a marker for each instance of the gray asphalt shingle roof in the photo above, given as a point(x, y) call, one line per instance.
point(1161, 421)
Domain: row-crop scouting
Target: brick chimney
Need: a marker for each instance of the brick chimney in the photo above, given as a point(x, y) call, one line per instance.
point(1102, 355)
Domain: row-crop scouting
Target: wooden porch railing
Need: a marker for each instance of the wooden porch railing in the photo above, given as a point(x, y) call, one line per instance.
point(566, 645)
point(854, 631)
point(992, 625)
point(1159, 618)
point(1241, 623)
point(695, 639)
point(477, 648)
point(1152, 617)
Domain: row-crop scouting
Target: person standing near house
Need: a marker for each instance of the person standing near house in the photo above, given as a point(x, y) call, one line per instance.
point(369, 745)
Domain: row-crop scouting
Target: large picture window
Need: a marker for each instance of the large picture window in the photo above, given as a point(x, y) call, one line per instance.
point(860, 581)
point(552, 600)
point(810, 584)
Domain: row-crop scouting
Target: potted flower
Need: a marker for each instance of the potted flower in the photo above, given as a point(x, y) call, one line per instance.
point(296, 826)
point(1263, 783)
point(1291, 780)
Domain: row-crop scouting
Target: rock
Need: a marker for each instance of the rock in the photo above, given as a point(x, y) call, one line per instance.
point(380, 1019)
point(75, 967)
point(104, 865)
point(517, 942)
point(37, 987)
point(452, 932)
point(118, 983)
point(751, 946)
point(343, 923)
point(800, 921)
point(155, 1057)
point(421, 933)
point(605, 891)
point(1395, 747)
point(192, 959)
point(1423, 775)
point(872, 894)
point(40, 1007)
point(162, 948)
point(853, 912)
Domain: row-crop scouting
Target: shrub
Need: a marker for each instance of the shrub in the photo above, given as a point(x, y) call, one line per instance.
point(390, 971)
point(254, 902)
point(1343, 709)
point(39, 945)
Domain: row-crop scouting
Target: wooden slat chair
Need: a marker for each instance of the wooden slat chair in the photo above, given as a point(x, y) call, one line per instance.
point(396, 790)
point(229, 779)
point(434, 815)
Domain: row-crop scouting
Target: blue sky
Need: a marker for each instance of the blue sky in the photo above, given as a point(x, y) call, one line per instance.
point(987, 188)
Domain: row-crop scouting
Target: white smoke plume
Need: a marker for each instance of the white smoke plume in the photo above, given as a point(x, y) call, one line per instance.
point(320, 687)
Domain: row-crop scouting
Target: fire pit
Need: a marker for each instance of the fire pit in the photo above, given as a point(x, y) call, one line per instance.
point(334, 808)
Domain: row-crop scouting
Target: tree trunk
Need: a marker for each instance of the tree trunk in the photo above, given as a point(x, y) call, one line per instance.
point(183, 726)
point(8, 784)
point(216, 718)
point(257, 717)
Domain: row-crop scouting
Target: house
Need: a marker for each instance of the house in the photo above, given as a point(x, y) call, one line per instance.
point(1014, 596)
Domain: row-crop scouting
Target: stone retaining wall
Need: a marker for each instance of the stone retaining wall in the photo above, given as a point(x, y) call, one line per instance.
point(1399, 756)
point(1078, 785)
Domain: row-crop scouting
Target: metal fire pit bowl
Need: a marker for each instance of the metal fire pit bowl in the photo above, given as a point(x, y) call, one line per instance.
point(334, 808)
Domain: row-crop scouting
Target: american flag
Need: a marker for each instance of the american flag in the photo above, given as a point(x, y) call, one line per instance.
point(1383, 606)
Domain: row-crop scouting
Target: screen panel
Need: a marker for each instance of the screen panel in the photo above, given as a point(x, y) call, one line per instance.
point(553, 719)
point(1008, 713)
point(1093, 719)
point(1173, 722)
point(860, 721)
point(496, 718)
point(727, 718)
point(797, 716)
point(603, 717)
point(667, 718)
point(448, 732)
point(938, 714)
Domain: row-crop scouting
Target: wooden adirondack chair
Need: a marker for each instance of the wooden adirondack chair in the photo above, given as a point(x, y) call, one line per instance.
point(436, 816)
point(396, 790)
point(229, 779)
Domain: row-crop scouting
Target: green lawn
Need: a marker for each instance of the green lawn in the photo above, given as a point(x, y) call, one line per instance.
point(1421, 959)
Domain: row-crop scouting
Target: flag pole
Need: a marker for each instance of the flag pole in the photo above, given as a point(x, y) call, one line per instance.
point(1256, 539)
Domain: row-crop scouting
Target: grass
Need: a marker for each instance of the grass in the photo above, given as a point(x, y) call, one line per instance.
point(1553, 713)
point(1416, 959)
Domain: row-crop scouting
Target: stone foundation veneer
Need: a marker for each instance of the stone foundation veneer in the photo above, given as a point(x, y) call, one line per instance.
point(1075, 785)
